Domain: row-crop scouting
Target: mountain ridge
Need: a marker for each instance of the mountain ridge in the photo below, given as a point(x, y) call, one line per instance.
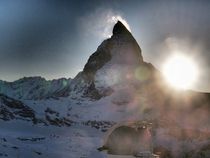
point(35, 88)
point(115, 86)
point(117, 61)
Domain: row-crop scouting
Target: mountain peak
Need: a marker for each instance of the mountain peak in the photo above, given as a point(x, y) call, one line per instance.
point(119, 28)
point(112, 66)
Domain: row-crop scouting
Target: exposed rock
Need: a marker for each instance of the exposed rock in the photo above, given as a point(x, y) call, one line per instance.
point(100, 125)
point(14, 109)
point(115, 64)
point(35, 88)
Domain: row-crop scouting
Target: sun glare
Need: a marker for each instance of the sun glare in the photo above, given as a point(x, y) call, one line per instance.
point(180, 71)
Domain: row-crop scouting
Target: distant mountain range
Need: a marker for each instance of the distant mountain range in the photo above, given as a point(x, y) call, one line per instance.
point(33, 88)
point(115, 85)
point(116, 63)
point(115, 69)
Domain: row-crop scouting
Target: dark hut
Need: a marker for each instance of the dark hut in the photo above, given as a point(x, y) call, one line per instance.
point(129, 139)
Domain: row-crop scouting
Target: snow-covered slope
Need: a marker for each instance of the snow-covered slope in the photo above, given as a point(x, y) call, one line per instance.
point(42, 114)
point(35, 88)
point(12, 109)
point(116, 85)
point(90, 121)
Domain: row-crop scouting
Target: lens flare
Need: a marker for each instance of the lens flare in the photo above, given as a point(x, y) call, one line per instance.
point(180, 71)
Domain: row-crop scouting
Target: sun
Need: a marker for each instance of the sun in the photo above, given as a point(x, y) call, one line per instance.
point(180, 71)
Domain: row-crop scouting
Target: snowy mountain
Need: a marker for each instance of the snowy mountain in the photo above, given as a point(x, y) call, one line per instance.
point(117, 65)
point(73, 117)
point(35, 88)
point(12, 109)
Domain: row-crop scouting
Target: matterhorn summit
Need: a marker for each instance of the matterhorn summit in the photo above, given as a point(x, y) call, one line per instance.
point(117, 64)
point(118, 103)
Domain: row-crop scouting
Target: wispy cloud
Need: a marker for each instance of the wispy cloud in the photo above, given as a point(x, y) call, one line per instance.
point(100, 22)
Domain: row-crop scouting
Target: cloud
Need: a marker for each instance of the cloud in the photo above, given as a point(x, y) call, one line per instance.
point(100, 23)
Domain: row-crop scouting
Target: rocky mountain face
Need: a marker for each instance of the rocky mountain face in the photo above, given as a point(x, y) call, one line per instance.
point(115, 69)
point(116, 85)
point(13, 109)
point(35, 88)
point(116, 65)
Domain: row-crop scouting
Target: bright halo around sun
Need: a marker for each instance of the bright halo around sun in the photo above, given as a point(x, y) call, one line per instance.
point(180, 71)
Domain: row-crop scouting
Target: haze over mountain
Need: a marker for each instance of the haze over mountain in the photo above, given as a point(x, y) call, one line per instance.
point(117, 62)
point(116, 85)
point(54, 39)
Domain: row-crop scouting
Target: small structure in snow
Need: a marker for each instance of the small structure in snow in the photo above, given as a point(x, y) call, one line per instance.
point(130, 138)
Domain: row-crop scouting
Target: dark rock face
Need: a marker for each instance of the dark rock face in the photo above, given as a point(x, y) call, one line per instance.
point(120, 32)
point(103, 54)
point(98, 59)
point(52, 118)
point(119, 28)
point(35, 88)
point(118, 56)
point(13, 109)
point(120, 53)
point(100, 125)
point(62, 121)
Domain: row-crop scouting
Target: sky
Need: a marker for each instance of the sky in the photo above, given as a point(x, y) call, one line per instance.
point(54, 38)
